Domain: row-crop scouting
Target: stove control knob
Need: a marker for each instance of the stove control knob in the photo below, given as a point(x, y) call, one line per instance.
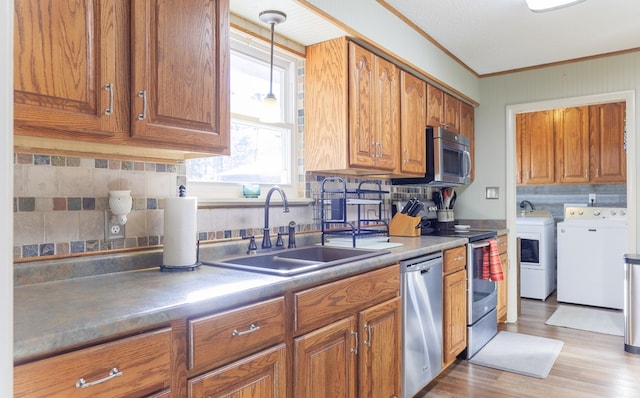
point(622, 212)
point(613, 212)
point(580, 212)
point(596, 213)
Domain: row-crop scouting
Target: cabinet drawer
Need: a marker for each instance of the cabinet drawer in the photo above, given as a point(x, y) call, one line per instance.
point(454, 259)
point(503, 243)
point(260, 375)
point(324, 304)
point(221, 338)
point(143, 362)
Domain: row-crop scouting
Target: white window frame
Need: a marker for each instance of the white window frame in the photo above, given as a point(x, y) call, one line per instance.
point(223, 191)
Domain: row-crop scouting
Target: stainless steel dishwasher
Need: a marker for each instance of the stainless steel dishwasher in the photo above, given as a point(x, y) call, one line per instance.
point(422, 321)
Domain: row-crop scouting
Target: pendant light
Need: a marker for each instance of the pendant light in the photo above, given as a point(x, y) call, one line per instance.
point(271, 110)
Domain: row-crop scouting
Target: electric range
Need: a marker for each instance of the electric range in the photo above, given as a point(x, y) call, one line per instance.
point(473, 235)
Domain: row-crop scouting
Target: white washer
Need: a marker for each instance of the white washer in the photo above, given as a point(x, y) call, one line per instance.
point(591, 245)
point(536, 230)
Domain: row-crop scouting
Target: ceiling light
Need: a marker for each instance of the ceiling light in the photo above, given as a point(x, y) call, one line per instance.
point(548, 5)
point(271, 109)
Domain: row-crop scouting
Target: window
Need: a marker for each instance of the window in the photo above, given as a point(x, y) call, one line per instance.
point(261, 153)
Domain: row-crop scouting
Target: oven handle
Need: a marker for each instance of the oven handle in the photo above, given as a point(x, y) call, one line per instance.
point(477, 245)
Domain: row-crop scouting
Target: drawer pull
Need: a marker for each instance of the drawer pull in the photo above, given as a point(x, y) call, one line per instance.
point(252, 328)
point(459, 258)
point(82, 383)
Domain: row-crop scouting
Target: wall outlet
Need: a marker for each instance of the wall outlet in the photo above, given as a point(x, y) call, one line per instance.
point(112, 230)
point(592, 198)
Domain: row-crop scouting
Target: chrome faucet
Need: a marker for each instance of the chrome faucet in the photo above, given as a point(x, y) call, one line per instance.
point(266, 239)
point(524, 203)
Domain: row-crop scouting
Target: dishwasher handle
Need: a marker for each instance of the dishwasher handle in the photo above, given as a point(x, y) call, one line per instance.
point(421, 264)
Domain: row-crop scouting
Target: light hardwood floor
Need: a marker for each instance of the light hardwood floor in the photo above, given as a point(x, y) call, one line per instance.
point(589, 365)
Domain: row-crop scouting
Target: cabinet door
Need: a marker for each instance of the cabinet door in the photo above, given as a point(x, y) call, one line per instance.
point(261, 375)
point(536, 133)
point(435, 106)
point(413, 123)
point(607, 136)
point(325, 361)
point(363, 144)
point(180, 85)
point(467, 120)
point(454, 315)
point(503, 289)
point(572, 144)
point(380, 350)
point(519, 127)
point(387, 114)
point(64, 57)
point(451, 113)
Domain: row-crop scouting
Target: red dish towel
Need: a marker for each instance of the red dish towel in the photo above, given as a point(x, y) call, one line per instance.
point(491, 265)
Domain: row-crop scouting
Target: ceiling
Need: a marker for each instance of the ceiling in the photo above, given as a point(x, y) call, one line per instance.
point(489, 36)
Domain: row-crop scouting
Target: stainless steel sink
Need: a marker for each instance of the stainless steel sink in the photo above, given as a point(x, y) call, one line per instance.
point(297, 261)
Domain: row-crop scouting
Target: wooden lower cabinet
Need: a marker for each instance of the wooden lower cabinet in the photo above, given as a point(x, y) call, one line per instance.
point(261, 375)
point(357, 354)
point(503, 285)
point(354, 357)
point(454, 304)
point(136, 366)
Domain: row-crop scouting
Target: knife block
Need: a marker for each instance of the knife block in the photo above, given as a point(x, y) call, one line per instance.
point(404, 225)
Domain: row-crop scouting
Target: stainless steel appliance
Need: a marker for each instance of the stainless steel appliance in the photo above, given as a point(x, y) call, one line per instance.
point(632, 303)
point(482, 294)
point(591, 243)
point(422, 321)
point(448, 160)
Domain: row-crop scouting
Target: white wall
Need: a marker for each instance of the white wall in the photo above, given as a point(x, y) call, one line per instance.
point(6, 200)
point(371, 20)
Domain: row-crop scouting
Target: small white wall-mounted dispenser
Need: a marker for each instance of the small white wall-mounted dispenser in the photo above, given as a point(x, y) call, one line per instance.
point(120, 203)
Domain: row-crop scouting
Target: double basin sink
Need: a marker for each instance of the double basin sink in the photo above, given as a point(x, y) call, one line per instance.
point(289, 262)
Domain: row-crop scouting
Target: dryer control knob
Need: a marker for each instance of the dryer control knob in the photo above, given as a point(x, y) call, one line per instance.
point(596, 213)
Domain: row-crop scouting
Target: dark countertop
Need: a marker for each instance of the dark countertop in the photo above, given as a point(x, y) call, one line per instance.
point(54, 316)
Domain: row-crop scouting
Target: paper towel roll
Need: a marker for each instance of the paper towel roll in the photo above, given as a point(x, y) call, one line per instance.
point(180, 230)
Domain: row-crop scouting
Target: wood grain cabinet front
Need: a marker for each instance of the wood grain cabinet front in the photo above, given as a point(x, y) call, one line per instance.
point(86, 80)
point(218, 339)
point(352, 341)
point(454, 304)
point(135, 366)
point(503, 289)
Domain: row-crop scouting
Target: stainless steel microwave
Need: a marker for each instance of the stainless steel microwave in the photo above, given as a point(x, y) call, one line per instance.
point(448, 160)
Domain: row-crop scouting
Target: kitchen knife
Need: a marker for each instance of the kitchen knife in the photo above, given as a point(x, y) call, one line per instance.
point(414, 204)
point(416, 209)
point(407, 206)
point(453, 199)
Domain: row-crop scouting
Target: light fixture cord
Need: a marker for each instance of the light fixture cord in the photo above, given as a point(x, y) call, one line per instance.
point(271, 75)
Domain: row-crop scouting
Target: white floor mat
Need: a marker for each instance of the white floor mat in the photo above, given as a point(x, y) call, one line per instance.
point(598, 320)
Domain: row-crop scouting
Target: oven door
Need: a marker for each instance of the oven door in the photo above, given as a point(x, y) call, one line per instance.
point(481, 293)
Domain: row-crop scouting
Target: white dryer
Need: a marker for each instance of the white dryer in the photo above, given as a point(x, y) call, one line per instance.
point(536, 230)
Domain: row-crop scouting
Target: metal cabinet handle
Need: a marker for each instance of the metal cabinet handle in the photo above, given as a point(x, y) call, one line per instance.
point(143, 95)
point(82, 383)
point(252, 328)
point(109, 88)
point(367, 342)
point(355, 350)
point(459, 258)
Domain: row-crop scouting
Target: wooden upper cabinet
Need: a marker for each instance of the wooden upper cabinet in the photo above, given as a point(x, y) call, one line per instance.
point(607, 143)
point(572, 144)
point(148, 74)
point(435, 106)
point(374, 111)
point(413, 123)
point(451, 113)
point(180, 69)
point(536, 132)
point(352, 109)
point(65, 68)
point(467, 120)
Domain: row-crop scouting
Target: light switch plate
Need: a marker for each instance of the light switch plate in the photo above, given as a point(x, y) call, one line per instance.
point(112, 230)
point(492, 192)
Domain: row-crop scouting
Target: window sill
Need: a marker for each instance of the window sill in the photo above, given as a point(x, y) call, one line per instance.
point(245, 202)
